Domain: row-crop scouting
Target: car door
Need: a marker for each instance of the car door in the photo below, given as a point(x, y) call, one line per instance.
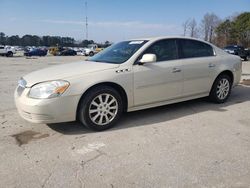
point(161, 80)
point(197, 63)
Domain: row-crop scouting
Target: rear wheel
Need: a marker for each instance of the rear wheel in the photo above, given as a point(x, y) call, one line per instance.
point(100, 108)
point(9, 54)
point(91, 53)
point(221, 89)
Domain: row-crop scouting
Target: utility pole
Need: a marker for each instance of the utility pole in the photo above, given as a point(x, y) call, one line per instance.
point(86, 19)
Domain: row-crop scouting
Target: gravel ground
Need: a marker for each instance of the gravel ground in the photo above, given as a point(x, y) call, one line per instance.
point(190, 144)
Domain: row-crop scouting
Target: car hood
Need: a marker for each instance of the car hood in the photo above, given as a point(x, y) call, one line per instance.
point(60, 72)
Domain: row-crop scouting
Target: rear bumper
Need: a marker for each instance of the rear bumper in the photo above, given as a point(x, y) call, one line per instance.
point(55, 110)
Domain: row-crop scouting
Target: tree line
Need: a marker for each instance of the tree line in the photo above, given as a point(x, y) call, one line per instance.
point(232, 30)
point(34, 40)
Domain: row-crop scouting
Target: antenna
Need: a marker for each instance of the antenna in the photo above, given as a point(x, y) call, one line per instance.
point(86, 19)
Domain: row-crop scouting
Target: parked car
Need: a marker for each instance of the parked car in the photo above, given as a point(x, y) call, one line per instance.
point(248, 52)
point(237, 50)
point(68, 52)
point(36, 52)
point(91, 50)
point(7, 51)
point(56, 50)
point(128, 76)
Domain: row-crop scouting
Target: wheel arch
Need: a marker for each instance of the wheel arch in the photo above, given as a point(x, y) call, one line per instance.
point(115, 86)
point(226, 72)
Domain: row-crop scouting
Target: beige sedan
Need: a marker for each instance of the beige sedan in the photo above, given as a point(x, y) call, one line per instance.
point(128, 76)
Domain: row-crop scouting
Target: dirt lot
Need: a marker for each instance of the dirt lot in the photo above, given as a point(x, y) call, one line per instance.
point(190, 144)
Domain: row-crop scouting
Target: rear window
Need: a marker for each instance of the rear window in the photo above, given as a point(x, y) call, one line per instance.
point(193, 48)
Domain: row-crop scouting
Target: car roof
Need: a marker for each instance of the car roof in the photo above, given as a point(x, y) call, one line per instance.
point(170, 37)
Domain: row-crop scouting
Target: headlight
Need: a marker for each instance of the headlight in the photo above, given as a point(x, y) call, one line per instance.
point(46, 90)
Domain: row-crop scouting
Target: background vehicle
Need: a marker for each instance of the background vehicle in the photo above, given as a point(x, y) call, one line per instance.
point(55, 50)
point(68, 52)
point(36, 52)
point(92, 49)
point(7, 51)
point(237, 50)
point(128, 76)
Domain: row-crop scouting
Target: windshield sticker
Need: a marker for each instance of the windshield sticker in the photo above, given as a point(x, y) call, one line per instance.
point(136, 42)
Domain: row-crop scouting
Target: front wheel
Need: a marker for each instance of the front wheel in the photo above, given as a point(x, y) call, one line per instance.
point(221, 89)
point(100, 108)
point(9, 54)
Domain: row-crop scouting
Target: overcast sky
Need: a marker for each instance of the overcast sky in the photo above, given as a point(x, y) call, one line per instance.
point(111, 20)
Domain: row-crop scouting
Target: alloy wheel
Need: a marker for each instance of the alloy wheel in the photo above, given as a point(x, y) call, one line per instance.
point(223, 89)
point(103, 109)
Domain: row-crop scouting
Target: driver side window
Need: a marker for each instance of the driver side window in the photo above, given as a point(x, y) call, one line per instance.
point(164, 50)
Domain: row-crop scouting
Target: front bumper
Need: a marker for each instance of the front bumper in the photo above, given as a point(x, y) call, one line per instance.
point(55, 110)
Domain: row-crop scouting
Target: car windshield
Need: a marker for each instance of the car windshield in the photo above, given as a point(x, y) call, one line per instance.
point(118, 53)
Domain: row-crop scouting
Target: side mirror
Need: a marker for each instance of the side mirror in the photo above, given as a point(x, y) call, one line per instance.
point(148, 58)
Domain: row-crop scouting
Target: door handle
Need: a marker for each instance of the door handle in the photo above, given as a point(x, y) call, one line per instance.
point(175, 70)
point(211, 65)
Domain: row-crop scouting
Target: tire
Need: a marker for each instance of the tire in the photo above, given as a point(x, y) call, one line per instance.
point(102, 116)
point(221, 89)
point(9, 54)
point(91, 54)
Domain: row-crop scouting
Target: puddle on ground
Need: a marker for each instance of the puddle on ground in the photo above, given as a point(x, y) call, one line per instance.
point(28, 136)
point(245, 82)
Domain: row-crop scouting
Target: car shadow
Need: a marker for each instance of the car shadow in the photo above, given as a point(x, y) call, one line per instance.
point(151, 116)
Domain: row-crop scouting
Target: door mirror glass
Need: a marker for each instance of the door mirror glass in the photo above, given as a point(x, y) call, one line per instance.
point(148, 58)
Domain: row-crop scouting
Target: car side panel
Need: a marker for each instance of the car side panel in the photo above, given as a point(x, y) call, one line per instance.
point(230, 63)
point(156, 82)
point(196, 74)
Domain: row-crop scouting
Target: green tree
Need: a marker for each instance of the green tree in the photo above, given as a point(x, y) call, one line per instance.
point(34, 40)
point(13, 40)
point(106, 44)
point(241, 27)
point(85, 43)
point(2, 38)
point(234, 31)
point(26, 40)
point(224, 34)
